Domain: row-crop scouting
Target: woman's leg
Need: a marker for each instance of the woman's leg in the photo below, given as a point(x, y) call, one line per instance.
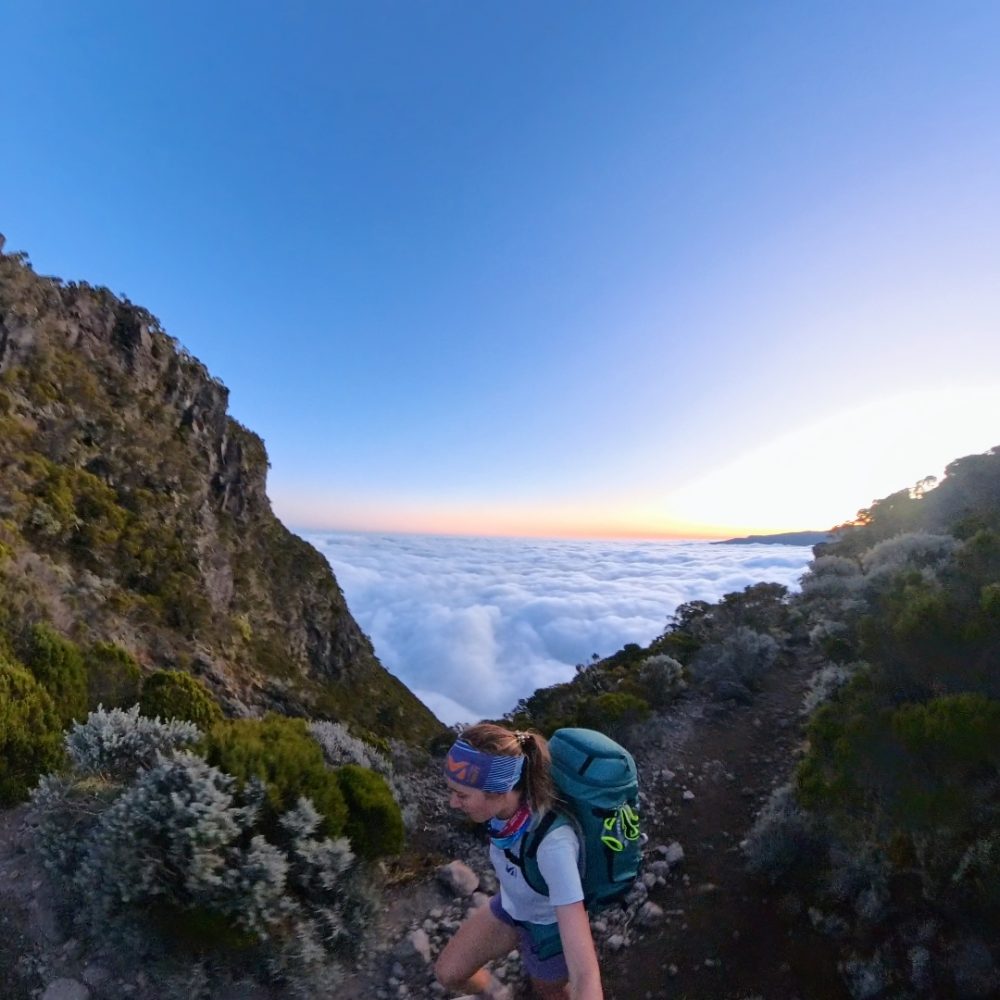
point(479, 940)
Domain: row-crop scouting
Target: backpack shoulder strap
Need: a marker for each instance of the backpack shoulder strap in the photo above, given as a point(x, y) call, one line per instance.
point(526, 857)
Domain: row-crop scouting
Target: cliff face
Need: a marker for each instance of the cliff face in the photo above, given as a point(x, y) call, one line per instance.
point(133, 509)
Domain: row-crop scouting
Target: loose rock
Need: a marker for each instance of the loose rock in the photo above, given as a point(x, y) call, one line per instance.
point(459, 878)
point(66, 989)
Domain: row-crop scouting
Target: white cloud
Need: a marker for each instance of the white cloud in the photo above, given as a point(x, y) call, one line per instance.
point(471, 625)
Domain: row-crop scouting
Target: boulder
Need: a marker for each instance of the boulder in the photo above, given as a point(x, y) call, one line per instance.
point(66, 989)
point(459, 878)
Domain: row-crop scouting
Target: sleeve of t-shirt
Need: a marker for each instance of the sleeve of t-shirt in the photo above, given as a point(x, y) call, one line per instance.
point(558, 861)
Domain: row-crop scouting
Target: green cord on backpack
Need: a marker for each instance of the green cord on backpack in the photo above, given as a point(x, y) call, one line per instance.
point(598, 787)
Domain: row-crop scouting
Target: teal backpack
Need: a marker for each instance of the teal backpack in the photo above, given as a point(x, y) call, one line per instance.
point(598, 787)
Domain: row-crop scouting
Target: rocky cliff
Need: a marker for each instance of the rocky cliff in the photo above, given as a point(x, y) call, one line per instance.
point(133, 509)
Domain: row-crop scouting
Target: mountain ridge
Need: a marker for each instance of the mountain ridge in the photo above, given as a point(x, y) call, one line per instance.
point(781, 538)
point(134, 510)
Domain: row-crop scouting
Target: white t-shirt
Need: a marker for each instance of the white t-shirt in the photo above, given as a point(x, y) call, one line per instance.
point(559, 863)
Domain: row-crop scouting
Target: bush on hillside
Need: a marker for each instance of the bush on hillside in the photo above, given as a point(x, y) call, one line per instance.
point(920, 782)
point(660, 680)
point(826, 682)
point(174, 694)
point(743, 656)
point(340, 747)
point(58, 666)
point(114, 679)
point(30, 733)
point(280, 752)
point(374, 822)
point(784, 839)
point(176, 854)
point(612, 713)
point(832, 578)
point(915, 550)
point(834, 639)
point(114, 744)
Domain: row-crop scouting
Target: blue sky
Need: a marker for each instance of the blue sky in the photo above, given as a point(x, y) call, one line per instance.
point(540, 268)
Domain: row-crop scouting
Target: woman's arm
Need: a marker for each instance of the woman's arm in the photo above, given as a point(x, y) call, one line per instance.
point(581, 956)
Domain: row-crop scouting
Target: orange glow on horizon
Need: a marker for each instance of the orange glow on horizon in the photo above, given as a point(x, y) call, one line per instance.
point(477, 523)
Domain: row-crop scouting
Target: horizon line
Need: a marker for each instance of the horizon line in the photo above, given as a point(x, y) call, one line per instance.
point(636, 536)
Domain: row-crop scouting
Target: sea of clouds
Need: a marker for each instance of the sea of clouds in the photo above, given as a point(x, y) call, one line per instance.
point(472, 625)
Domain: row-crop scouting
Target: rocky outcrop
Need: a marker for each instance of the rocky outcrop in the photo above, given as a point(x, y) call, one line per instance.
point(143, 507)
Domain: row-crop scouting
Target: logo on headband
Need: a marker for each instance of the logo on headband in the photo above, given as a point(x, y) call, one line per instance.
point(463, 771)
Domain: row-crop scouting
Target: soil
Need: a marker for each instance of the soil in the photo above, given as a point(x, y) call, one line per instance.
point(726, 934)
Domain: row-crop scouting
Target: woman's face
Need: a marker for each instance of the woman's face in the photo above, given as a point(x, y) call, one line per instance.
point(478, 805)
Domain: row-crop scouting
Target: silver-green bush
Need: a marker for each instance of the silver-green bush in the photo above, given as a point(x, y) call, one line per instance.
point(171, 836)
point(743, 656)
point(115, 743)
point(782, 839)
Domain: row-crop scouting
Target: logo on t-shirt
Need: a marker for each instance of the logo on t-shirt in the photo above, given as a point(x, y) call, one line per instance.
point(511, 870)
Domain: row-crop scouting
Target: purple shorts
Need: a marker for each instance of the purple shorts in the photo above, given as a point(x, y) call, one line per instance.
point(549, 970)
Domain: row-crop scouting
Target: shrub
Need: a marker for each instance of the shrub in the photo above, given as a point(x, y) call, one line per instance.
point(825, 682)
point(860, 878)
point(920, 782)
point(612, 712)
point(114, 679)
point(114, 744)
point(914, 550)
point(374, 823)
point(953, 748)
point(174, 694)
point(783, 839)
point(743, 656)
point(834, 639)
point(280, 752)
point(661, 680)
point(174, 847)
point(340, 747)
point(59, 667)
point(30, 734)
point(832, 578)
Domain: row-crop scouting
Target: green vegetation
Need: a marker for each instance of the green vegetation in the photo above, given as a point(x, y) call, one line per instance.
point(30, 733)
point(113, 676)
point(281, 753)
point(901, 780)
point(173, 694)
point(157, 851)
point(611, 712)
point(58, 665)
point(374, 823)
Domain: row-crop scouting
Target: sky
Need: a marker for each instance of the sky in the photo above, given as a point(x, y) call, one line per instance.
point(569, 268)
point(472, 625)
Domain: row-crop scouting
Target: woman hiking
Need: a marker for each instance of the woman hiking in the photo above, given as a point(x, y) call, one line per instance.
point(503, 778)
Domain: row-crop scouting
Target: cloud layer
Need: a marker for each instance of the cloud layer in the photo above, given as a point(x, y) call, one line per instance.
point(471, 625)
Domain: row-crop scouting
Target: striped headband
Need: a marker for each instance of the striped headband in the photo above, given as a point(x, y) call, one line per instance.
point(465, 765)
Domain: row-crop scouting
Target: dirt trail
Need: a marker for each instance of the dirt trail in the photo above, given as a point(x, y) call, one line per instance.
point(726, 935)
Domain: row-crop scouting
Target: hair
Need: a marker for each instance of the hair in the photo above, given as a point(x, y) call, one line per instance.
point(536, 778)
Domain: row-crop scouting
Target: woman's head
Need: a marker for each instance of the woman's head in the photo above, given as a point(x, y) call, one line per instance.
point(495, 762)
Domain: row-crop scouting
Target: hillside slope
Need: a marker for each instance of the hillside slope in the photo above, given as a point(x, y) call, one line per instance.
point(133, 509)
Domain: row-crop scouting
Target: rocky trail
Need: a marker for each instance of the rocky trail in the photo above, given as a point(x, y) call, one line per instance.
point(701, 927)
point(698, 926)
point(724, 934)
